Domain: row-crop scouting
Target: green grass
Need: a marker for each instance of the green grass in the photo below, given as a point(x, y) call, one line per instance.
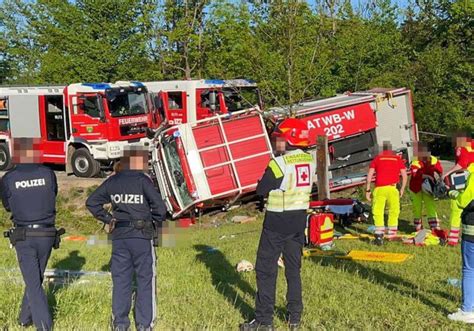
point(198, 289)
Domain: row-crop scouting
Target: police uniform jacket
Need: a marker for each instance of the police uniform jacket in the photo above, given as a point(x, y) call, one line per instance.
point(133, 197)
point(29, 192)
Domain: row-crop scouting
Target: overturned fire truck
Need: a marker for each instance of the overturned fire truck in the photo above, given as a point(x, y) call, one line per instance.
point(182, 101)
point(217, 160)
point(82, 126)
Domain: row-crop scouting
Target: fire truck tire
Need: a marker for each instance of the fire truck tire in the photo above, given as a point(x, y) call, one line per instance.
point(5, 159)
point(83, 164)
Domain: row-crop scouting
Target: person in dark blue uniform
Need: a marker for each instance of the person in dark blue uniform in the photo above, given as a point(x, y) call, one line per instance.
point(29, 192)
point(287, 182)
point(137, 206)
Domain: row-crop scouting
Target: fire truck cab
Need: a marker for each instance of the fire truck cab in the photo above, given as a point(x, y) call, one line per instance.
point(183, 101)
point(82, 126)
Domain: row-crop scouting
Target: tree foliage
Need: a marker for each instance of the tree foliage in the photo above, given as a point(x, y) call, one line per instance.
point(294, 49)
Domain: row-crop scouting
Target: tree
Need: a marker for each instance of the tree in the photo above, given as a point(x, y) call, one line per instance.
point(179, 36)
point(84, 40)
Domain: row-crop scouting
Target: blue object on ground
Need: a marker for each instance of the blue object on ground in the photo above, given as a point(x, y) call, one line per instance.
point(371, 229)
point(454, 282)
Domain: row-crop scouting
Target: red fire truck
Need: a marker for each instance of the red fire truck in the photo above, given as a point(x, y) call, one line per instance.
point(356, 124)
point(219, 159)
point(183, 101)
point(82, 126)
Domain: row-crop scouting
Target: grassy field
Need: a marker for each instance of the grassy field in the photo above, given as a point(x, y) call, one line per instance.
point(198, 287)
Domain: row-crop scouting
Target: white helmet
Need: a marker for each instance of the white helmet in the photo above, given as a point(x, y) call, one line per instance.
point(427, 186)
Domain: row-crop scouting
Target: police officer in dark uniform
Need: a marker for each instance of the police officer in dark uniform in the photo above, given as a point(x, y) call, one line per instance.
point(287, 183)
point(136, 207)
point(29, 192)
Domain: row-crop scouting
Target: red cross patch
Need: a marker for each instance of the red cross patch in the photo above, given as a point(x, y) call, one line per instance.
point(302, 175)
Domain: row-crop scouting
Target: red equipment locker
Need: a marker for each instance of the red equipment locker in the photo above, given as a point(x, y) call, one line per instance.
point(320, 229)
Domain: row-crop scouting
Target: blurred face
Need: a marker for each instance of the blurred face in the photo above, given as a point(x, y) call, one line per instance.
point(386, 146)
point(422, 152)
point(137, 162)
point(280, 144)
point(26, 150)
point(462, 141)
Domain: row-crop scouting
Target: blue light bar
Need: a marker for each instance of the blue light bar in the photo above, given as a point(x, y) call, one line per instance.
point(214, 81)
point(97, 86)
point(137, 84)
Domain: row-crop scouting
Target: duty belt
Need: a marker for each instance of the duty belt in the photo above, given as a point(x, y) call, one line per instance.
point(34, 226)
point(131, 224)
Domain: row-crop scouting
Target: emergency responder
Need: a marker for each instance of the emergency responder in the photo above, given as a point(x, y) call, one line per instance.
point(465, 201)
point(422, 181)
point(287, 182)
point(29, 191)
point(464, 157)
point(387, 166)
point(136, 208)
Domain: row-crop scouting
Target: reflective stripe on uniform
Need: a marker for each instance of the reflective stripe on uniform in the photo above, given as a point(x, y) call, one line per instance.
point(297, 169)
point(279, 201)
point(273, 165)
point(298, 158)
point(468, 229)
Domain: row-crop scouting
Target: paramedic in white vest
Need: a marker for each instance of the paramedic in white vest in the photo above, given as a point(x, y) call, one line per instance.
point(287, 183)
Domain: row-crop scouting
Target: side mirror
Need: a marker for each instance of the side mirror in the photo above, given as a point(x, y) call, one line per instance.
point(213, 100)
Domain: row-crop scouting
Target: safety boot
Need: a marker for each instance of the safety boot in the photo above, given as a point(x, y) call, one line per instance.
point(434, 223)
point(293, 326)
point(418, 224)
point(378, 239)
point(25, 325)
point(256, 326)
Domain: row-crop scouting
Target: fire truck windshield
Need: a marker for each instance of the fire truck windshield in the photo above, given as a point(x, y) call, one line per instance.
point(126, 103)
point(240, 98)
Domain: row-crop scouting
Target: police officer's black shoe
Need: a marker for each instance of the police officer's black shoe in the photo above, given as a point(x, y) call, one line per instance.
point(294, 326)
point(256, 326)
point(120, 328)
point(143, 328)
point(25, 325)
point(378, 239)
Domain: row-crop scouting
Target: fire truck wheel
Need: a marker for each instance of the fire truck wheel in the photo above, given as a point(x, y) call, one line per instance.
point(83, 164)
point(5, 159)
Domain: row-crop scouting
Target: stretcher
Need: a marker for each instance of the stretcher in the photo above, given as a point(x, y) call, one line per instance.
point(360, 255)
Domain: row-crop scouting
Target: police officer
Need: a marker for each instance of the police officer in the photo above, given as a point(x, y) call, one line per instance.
point(29, 192)
point(388, 167)
point(464, 157)
point(136, 206)
point(287, 182)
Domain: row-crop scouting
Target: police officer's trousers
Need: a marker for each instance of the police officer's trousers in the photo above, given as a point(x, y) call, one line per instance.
point(133, 256)
point(33, 254)
point(271, 245)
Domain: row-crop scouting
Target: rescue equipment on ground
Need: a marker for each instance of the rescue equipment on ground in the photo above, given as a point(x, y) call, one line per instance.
point(320, 229)
point(426, 237)
point(360, 255)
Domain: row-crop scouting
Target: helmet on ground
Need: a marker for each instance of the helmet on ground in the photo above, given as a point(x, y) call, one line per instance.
point(294, 131)
point(428, 186)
